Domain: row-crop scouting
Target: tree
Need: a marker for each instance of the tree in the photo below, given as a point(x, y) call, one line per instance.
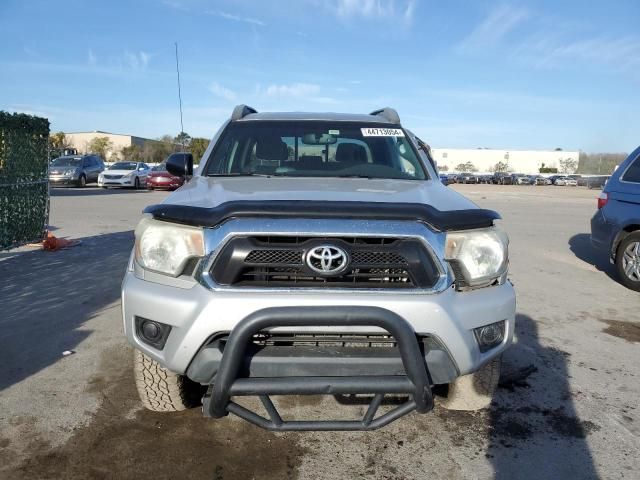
point(443, 168)
point(466, 167)
point(183, 139)
point(132, 153)
point(501, 167)
point(157, 151)
point(599, 163)
point(558, 149)
point(101, 145)
point(568, 165)
point(198, 147)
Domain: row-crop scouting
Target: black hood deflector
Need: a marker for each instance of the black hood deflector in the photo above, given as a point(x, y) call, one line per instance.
point(210, 217)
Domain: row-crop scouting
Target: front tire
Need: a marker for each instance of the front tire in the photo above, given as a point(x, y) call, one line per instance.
point(82, 181)
point(161, 390)
point(628, 261)
point(474, 391)
point(136, 184)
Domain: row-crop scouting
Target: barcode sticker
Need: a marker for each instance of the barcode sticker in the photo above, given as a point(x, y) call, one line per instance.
point(382, 132)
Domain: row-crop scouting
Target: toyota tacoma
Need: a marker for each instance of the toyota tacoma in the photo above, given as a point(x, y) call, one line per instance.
point(316, 254)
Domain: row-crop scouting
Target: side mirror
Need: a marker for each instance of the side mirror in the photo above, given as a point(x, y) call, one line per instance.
point(180, 164)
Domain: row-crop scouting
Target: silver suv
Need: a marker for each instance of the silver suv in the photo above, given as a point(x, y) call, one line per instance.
point(316, 254)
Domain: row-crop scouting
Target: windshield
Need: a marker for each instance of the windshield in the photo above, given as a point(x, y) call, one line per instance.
point(67, 162)
point(315, 149)
point(123, 166)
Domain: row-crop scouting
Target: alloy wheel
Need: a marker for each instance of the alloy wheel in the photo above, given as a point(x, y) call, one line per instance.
point(631, 261)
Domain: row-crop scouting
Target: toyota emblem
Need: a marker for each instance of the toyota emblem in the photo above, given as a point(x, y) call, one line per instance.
point(327, 259)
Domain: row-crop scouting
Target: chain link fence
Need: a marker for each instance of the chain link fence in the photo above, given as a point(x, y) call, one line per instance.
point(24, 182)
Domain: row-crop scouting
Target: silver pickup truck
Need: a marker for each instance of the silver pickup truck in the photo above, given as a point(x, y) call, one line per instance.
point(316, 254)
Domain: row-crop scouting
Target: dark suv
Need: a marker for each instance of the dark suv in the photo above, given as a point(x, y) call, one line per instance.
point(75, 170)
point(616, 225)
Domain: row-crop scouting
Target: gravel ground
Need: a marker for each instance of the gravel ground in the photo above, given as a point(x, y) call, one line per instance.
point(566, 407)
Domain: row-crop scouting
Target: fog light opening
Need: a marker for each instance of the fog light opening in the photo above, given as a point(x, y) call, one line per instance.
point(489, 336)
point(151, 332)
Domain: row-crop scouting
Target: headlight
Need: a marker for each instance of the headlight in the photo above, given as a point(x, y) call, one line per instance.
point(478, 256)
point(69, 173)
point(165, 247)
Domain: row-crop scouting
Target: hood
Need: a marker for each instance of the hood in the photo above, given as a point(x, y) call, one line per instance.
point(162, 174)
point(210, 192)
point(118, 172)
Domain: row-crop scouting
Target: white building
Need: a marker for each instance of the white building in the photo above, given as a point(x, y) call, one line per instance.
point(518, 161)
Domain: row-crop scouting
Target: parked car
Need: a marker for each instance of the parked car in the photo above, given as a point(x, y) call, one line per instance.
point(453, 178)
point(75, 170)
point(565, 181)
point(521, 180)
point(615, 227)
point(160, 178)
point(540, 180)
point(226, 260)
point(124, 174)
point(596, 182)
point(444, 179)
point(502, 178)
point(467, 178)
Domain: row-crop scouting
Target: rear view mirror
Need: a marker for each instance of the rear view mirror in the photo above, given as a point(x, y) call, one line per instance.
point(180, 164)
point(319, 139)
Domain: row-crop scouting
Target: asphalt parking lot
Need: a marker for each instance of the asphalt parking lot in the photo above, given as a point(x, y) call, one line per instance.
point(567, 404)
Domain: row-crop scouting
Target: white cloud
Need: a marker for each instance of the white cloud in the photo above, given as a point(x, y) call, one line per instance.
point(236, 18)
point(495, 27)
point(136, 61)
point(222, 92)
point(91, 59)
point(374, 9)
point(293, 90)
point(622, 53)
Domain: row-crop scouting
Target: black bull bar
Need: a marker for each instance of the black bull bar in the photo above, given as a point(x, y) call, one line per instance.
point(416, 383)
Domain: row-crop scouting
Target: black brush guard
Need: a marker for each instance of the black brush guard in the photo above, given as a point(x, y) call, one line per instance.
point(217, 402)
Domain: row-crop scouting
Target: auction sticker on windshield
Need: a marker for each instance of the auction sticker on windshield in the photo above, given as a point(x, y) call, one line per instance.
point(382, 132)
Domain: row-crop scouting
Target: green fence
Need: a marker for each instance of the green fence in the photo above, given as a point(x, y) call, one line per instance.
point(24, 184)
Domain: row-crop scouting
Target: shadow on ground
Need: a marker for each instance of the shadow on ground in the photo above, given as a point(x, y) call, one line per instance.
point(581, 247)
point(89, 191)
point(532, 427)
point(123, 441)
point(46, 296)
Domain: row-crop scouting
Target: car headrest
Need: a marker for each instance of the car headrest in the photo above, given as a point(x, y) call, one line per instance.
point(351, 153)
point(271, 148)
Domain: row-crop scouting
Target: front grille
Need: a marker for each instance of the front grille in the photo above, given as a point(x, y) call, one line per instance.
point(113, 177)
point(375, 262)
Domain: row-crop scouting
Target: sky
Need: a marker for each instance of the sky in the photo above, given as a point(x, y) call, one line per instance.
point(535, 74)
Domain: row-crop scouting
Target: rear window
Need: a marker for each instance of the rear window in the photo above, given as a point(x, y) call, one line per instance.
point(315, 149)
point(633, 172)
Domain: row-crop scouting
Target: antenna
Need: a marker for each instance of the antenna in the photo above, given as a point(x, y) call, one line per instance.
point(179, 98)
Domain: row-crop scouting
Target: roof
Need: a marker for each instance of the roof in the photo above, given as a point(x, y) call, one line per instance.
point(327, 116)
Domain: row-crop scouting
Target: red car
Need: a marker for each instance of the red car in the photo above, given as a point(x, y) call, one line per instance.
point(159, 178)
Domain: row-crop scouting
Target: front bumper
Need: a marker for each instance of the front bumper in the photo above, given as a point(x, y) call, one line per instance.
point(120, 182)
point(196, 314)
point(57, 180)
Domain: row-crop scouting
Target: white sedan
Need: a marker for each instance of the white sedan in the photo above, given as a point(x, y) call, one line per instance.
point(566, 181)
point(124, 174)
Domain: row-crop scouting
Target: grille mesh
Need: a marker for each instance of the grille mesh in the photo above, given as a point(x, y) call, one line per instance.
point(288, 257)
